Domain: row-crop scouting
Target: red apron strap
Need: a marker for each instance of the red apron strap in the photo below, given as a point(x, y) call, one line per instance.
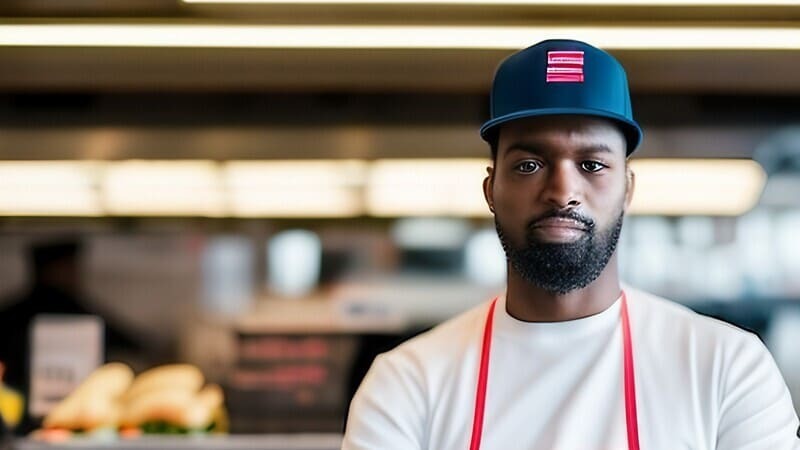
point(631, 421)
point(630, 382)
point(483, 376)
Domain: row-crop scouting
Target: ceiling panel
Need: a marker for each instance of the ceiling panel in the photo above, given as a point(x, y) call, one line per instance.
point(340, 142)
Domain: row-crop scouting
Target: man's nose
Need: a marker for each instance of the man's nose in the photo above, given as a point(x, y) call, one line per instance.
point(563, 186)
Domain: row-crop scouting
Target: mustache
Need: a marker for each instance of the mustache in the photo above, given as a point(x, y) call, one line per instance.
point(570, 214)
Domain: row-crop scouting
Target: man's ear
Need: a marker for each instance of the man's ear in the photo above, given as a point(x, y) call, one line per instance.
point(488, 188)
point(630, 185)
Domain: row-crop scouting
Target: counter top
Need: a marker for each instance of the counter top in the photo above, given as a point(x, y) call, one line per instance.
point(230, 442)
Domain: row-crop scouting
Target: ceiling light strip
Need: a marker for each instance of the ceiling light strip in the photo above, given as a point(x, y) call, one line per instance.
point(392, 37)
point(721, 3)
point(712, 187)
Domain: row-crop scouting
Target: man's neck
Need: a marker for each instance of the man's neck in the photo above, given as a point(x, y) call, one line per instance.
point(529, 303)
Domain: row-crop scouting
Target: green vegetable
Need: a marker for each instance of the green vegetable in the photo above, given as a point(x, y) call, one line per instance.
point(161, 427)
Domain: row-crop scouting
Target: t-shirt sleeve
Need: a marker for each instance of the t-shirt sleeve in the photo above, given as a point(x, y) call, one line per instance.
point(388, 410)
point(756, 410)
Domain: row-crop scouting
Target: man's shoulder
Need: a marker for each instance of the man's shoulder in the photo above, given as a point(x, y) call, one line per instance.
point(664, 317)
point(729, 370)
point(444, 342)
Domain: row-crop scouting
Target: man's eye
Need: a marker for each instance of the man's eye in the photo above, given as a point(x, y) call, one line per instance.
point(592, 166)
point(527, 167)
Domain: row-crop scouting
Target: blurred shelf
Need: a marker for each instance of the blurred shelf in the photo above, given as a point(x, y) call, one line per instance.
point(315, 316)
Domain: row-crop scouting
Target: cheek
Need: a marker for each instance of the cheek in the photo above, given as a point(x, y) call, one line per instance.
point(608, 201)
point(511, 210)
point(510, 198)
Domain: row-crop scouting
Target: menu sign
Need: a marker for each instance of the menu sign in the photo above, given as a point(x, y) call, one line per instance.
point(65, 349)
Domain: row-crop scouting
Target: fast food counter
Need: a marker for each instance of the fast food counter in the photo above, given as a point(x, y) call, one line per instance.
point(232, 442)
point(272, 377)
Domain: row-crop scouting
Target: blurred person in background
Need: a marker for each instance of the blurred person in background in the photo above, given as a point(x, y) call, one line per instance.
point(56, 288)
point(567, 358)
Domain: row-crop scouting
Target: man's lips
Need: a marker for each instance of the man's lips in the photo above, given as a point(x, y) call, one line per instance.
point(559, 222)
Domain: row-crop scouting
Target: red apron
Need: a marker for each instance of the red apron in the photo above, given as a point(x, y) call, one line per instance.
point(627, 365)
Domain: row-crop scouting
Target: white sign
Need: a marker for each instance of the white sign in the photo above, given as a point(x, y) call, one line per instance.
point(65, 349)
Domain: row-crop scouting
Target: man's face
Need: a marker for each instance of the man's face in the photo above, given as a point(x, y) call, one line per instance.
point(559, 190)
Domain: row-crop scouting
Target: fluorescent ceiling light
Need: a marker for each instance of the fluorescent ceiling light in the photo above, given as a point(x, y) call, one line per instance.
point(696, 186)
point(337, 188)
point(49, 188)
point(393, 37)
point(427, 187)
point(517, 2)
point(319, 188)
point(163, 188)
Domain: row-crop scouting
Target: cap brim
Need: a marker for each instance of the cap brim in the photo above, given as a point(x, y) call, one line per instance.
point(631, 130)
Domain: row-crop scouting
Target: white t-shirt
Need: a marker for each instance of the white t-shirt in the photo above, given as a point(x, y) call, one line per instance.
point(700, 384)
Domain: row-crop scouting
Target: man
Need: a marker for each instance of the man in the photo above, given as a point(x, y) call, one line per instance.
point(567, 358)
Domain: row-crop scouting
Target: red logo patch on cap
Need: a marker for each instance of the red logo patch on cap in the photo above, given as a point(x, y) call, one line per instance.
point(565, 67)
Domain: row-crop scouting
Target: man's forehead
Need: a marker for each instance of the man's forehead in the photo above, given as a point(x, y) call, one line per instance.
point(553, 132)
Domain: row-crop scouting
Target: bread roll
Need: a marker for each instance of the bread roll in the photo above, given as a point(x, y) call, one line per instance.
point(211, 397)
point(95, 402)
point(184, 377)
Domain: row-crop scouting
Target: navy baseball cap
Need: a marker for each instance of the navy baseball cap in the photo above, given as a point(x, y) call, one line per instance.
point(557, 77)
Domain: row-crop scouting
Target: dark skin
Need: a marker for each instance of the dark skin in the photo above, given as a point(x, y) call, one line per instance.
point(559, 163)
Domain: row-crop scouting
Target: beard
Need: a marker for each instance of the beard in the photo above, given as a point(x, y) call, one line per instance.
point(561, 268)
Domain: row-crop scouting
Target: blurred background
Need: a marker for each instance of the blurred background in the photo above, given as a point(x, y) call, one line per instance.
point(275, 191)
